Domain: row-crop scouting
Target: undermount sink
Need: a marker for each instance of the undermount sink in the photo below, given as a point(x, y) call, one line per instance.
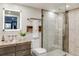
point(7, 42)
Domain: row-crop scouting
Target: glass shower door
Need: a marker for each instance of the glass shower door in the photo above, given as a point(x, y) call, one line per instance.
point(52, 30)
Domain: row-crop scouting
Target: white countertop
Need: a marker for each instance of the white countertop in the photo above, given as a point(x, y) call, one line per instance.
point(3, 44)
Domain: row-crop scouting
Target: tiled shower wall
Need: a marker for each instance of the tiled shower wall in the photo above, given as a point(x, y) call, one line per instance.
point(74, 32)
point(53, 24)
point(27, 12)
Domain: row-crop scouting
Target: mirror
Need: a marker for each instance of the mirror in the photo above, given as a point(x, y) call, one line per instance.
point(11, 20)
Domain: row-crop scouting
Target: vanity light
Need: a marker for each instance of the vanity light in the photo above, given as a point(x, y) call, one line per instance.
point(9, 12)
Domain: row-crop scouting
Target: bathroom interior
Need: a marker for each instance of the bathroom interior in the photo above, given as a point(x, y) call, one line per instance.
point(39, 29)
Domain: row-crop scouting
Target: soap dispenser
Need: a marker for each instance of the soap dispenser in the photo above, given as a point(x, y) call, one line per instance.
point(3, 38)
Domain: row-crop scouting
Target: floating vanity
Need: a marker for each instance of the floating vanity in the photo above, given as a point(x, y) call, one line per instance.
point(19, 48)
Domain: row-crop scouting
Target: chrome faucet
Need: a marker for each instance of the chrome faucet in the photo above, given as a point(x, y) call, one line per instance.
point(12, 37)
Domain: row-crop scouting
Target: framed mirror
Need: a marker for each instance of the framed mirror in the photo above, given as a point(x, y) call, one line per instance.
point(11, 20)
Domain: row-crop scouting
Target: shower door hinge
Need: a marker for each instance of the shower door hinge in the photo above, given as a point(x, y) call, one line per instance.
point(42, 15)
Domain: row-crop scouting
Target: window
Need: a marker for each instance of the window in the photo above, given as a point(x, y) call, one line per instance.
point(12, 20)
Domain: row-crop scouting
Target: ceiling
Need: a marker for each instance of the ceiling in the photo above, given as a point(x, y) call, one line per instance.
point(72, 6)
point(56, 7)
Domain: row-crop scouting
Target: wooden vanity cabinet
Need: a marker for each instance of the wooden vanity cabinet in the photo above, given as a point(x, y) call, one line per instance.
point(23, 49)
point(20, 49)
point(8, 50)
point(8, 54)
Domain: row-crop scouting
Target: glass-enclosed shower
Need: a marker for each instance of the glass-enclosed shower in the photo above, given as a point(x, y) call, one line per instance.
point(53, 27)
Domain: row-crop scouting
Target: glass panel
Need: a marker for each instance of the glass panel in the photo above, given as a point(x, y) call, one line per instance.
point(53, 24)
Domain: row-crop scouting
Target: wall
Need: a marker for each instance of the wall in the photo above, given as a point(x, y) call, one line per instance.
point(53, 28)
point(27, 12)
point(74, 32)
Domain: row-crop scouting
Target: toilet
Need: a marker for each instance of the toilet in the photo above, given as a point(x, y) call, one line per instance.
point(38, 51)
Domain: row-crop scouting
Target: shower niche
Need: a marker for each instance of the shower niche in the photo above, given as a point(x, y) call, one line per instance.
point(30, 29)
point(40, 28)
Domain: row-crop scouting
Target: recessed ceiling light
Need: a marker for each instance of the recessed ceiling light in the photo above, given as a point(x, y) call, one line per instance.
point(51, 14)
point(67, 6)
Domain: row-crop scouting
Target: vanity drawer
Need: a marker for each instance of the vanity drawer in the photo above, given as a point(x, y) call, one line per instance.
point(9, 54)
point(23, 46)
point(28, 52)
point(23, 53)
point(7, 49)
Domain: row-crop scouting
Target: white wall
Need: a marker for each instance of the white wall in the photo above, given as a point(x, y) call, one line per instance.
point(74, 32)
point(27, 12)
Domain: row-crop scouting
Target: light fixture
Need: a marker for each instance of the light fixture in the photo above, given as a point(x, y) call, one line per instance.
point(67, 6)
point(9, 12)
point(51, 14)
point(53, 10)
